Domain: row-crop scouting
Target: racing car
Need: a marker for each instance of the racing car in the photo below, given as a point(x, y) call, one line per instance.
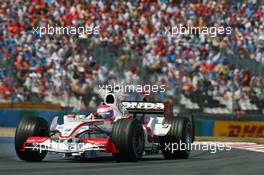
point(126, 129)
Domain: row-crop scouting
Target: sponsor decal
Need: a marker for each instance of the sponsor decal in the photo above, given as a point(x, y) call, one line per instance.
point(239, 129)
point(143, 105)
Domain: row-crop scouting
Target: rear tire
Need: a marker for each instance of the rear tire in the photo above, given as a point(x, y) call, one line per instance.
point(177, 143)
point(128, 137)
point(27, 127)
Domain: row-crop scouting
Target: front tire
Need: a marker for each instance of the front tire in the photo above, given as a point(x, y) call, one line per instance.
point(27, 127)
point(128, 136)
point(177, 143)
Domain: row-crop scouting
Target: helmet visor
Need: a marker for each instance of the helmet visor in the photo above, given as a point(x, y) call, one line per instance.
point(106, 114)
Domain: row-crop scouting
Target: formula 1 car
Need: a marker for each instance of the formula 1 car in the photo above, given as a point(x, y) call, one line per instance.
point(126, 129)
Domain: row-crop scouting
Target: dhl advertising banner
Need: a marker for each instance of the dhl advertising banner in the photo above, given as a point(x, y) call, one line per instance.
point(239, 129)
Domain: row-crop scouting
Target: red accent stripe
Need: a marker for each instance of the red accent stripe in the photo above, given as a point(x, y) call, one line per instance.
point(108, 144)
point(71, 115)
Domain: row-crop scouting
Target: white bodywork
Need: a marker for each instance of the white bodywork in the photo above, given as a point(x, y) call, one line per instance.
point(68, 140)
point(155, 123)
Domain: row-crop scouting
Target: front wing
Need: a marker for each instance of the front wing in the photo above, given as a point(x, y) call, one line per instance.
point(86, 144)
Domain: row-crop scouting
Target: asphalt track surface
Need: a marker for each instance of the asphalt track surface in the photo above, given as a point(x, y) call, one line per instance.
point(240, 162)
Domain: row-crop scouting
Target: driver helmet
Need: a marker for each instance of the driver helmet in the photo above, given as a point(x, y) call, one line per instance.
point(105, 111)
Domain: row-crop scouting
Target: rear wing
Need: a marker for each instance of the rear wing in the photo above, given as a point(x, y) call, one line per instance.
point(140, 107)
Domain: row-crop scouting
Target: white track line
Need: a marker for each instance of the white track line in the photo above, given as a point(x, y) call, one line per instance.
point(238, 145)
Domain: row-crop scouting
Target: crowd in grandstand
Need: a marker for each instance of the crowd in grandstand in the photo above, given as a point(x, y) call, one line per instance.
point(62, 68)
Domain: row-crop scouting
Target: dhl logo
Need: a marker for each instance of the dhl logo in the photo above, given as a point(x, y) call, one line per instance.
point(246, 131)
point(239, 129)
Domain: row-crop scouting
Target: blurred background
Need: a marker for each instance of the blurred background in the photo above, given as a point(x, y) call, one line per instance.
point(213, 78)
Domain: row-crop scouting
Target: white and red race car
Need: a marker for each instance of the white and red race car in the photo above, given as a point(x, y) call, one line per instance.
point(127, 130)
